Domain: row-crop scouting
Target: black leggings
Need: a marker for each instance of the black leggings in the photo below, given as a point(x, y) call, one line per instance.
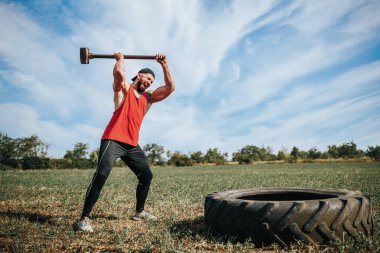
point(134, 157)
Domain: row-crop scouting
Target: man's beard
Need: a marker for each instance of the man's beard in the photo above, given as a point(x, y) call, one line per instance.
point(139, 84)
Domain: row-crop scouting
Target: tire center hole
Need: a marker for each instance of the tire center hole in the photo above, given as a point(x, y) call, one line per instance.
point(288, 196)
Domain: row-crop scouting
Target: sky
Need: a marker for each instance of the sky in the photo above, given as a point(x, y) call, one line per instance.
point(263, 73)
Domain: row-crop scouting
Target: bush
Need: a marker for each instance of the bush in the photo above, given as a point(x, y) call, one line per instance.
point(197, 157)
point(11, 163)
point(213, 155)
point(282, 155)
point(77, 163)
point(179, 159)
point(250, 153)
point(247, 155)
point(60, 164)
point(373, 152)
point(5, 167)
point(35, 162)
point(349, 150)
point(81, 163)
point(154, 154)
point(314, 153)
point(118, 163)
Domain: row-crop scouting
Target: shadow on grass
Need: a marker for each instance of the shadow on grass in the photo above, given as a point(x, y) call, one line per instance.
point(104, 216)
point(32, 217)
point(196, 229)
point(185, 228)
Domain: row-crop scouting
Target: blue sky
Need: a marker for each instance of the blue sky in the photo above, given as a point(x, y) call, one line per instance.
point(272, 73)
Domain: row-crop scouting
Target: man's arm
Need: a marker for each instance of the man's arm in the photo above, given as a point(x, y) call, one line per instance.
point(163, 92)
point(119, 85)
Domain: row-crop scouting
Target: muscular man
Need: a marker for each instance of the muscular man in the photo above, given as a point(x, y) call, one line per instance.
point(120, 138)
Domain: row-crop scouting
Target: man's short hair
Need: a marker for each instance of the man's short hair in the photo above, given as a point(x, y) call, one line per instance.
point(145, 71)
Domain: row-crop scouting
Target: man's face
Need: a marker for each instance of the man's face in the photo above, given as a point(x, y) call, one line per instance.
point(145, 81)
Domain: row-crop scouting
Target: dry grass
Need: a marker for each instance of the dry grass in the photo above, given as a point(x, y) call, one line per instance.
point(38, 208)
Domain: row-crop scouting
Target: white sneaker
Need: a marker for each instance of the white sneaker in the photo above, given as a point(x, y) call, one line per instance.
point(143, 216)
point(84, 225)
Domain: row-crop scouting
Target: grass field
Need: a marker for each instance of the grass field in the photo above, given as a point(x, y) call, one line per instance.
point(38, 208)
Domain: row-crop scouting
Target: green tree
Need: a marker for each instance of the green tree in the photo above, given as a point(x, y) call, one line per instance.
point(154, 153)
point(282, 154)
point(247, 154)
point(79, 151)
point(7, 151)
point(213, 155)
point(76, 158)
point(69, 155)
point(197, 157)
point(349, 150)
point(373, 152)
point(295, 153)
point(179, 159)
point(119, 163)
point(31, 146)
point(314, 153)
point(14, 151)
point(333, 151)
point(266, 154)
point(94, 156)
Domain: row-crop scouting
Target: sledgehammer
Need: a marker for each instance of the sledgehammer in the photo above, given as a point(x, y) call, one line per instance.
point(86, 55)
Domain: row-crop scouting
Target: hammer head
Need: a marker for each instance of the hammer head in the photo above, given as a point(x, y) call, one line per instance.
point(84, 55)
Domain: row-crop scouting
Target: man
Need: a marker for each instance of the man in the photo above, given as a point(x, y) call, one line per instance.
point(120, 138)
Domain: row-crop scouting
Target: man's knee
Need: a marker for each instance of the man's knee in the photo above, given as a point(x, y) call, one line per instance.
point(146, 177)
point(99, 179)
point(103, 172)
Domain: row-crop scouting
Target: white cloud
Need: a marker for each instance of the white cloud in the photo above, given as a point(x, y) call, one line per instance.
point(319, 95)
point(194, 40)
point(297, 55)
point(244, 71)
point(177, 127)
point(22, 120)
point(316, 114)
point(26, 45)
point(317, 16)
point(343, 121)
point(364, 20)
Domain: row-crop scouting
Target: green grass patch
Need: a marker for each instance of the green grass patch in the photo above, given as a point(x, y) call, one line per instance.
point(38, 208)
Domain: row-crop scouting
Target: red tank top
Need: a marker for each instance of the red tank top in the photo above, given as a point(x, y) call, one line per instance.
point(126, 121)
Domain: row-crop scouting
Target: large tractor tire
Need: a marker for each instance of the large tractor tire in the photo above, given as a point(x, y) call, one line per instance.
point(284, 215)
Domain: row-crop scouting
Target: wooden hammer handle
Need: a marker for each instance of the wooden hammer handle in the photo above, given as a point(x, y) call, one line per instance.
point(111, 56)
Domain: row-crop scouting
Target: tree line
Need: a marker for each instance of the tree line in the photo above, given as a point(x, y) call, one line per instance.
point(32, 153)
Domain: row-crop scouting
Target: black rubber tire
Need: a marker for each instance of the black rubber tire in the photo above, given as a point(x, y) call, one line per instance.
point(284, 215)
